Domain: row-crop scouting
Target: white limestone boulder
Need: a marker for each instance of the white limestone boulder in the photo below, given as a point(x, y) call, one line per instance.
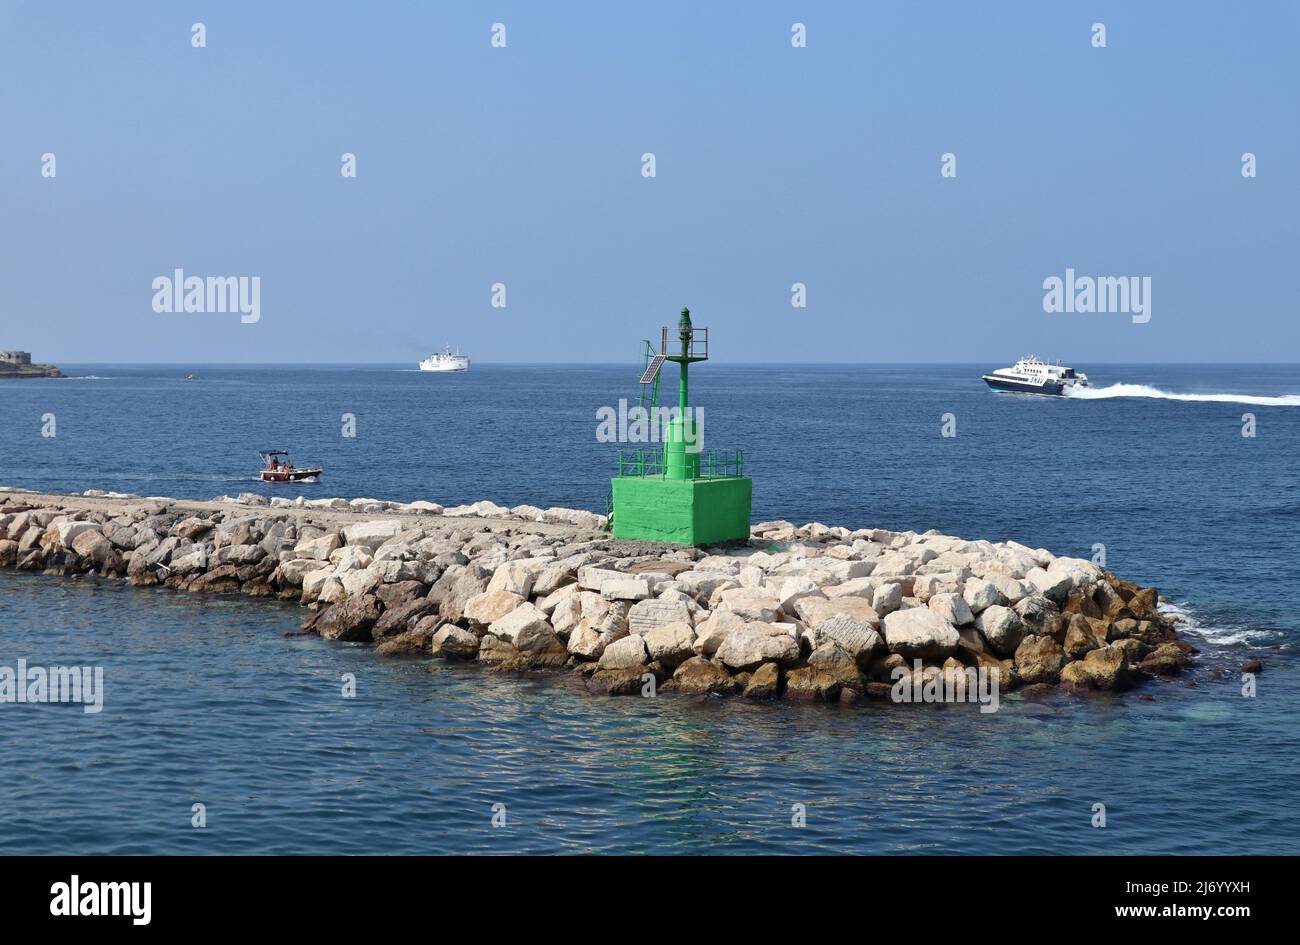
point(858, 639)
point(359, 582)
point(980, 594)
point(750, 604)
point(814, 610)
point(1083, 573)
point(1013, 591)
point(319, 548)
point(516, 577)
point(351, 558)
point(421, 507)
point(920, 633)
point(565, 615)
point(579, 517)
point(710, 632)
point(1054, 585)
point(1001, 628)
point(526, 618)
point(481, 509)
point(94, 547)
point(195, 561)
point(863, 587)
point(758, 643)
point(591, 578)
point(795, 588)
point(66, 530)
point(928, 585)
point(887, 598)
point(645, 615)
point(670, 643)
point(627, 653)
point(483, 610)
point(586, 641)
point(626, 588)
point(952, 608)
point(294, 571)
point(370, 535)
point(702, 584)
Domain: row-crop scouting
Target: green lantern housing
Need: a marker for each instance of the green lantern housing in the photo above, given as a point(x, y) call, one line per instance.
point(680, 493)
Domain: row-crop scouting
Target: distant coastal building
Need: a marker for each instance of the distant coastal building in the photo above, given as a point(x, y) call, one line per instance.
point(19, 364)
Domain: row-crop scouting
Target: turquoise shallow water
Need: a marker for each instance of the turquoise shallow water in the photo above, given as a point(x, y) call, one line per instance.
point(207, 702)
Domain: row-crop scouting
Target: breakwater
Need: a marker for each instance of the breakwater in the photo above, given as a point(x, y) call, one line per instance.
point(809, 612)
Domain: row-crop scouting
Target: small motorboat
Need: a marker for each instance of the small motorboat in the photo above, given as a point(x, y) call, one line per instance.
point(280, 468)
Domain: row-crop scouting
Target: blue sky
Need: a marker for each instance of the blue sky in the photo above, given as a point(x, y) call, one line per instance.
point(775, 165)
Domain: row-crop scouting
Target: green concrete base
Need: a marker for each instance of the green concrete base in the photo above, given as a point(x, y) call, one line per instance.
point(682, 511)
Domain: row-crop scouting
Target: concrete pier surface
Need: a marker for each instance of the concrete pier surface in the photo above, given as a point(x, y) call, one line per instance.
point(317, 512)
point(811, 612)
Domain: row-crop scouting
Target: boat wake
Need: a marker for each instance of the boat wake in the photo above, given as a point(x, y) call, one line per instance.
point(1143, 390)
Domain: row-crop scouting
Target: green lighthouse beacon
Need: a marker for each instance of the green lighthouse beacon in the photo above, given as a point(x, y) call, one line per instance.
point(681, 492)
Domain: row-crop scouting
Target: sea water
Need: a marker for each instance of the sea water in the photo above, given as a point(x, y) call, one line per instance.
point(218, 733)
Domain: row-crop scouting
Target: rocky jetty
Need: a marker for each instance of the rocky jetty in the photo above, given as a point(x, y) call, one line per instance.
point(812, 612)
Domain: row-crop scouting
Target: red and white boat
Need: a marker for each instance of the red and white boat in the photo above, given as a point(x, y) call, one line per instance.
point(280, 468)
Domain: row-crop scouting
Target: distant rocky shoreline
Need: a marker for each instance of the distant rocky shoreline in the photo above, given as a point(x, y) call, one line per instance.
point(812, 613)
point(28, 370)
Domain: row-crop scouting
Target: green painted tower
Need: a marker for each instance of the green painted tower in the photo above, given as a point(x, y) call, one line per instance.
point(681, 492)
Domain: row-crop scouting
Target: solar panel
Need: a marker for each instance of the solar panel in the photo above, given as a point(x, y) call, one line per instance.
point(652, 369)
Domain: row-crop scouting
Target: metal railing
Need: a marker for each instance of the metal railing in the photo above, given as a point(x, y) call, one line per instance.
point(714, 463)
point(697, 345)
point(640, 462)
point(722, 464)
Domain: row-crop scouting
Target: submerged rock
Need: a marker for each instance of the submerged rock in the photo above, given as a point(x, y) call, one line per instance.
point(1039, 660)
point(397, 620)
point(628, 681)
point(351, 619)
point(764, 682)
point(834, 661)
point(1167, 659)
point(1082, 636)
point(810, 684)
point(700, 675)
point(414, 642)
point(452, 642)
point(1104, 668)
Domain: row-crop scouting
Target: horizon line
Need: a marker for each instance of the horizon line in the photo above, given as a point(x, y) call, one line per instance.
point(56, 363)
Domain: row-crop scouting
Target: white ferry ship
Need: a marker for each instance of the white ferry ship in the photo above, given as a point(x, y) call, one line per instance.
point(1031, 376)
point(445, 362)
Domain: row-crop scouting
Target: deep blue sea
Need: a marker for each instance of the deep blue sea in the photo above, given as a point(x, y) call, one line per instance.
point(207, 702)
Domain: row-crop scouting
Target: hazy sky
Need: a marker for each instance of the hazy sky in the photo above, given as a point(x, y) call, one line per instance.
point(774, 165)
